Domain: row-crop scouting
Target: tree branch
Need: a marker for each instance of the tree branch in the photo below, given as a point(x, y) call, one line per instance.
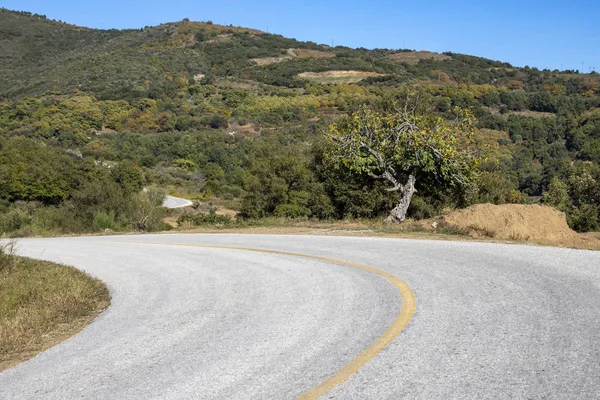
point(375, 154)
point(390, 178)
point(388, 172)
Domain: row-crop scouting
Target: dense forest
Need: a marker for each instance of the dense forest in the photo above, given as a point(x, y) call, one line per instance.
point(236, 117)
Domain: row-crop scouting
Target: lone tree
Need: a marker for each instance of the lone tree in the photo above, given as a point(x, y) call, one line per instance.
point(404, 147)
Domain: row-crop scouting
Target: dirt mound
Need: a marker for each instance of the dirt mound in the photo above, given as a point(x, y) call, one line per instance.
point(519, 222)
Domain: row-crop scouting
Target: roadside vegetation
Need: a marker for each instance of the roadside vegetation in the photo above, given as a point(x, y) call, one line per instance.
point(89, 118)
point(42, 304)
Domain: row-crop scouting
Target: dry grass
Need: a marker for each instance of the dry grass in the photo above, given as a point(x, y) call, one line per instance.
point(220, 39)
point(414, 57)
point(526, 113)
point(534, 114)
point(291, 54)
point(305, 53)
point(271, 60)
point(592, 112)
point(237, 83)
point(366, 228)
point(489, 137)
point(508, 223)
point(42, 304)
point(338, 77)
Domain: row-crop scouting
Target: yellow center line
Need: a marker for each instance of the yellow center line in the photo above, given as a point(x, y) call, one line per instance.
point(406, 312)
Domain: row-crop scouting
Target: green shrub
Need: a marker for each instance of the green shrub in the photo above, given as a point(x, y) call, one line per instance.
point(53, 220)
point(14, 220)
point(105, 220)
point(291, 211)
point(557, 195)
point(421, 209)
point(584, 218)
point(202, 219)
point(218, 121)
point(146, 211)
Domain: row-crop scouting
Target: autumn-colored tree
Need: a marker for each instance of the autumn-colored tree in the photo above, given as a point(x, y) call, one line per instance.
point(555, 88)
point(589, 87)
point(441, 76)
point(515, 85)
point(181, 81)
point(403, 148)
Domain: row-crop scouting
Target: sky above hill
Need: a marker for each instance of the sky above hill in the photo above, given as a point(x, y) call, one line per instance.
point(545, 34)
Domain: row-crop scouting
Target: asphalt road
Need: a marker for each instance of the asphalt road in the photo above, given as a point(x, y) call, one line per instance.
point(492, 321)
point(176, 202)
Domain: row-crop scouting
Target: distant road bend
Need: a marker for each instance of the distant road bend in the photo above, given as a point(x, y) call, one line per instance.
point(176, 202)
point(191, 317)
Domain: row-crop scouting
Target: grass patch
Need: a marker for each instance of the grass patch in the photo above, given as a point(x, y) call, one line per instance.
point(42, 304)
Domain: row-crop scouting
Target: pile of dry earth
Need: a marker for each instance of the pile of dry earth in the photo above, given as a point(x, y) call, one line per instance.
point(518, 222)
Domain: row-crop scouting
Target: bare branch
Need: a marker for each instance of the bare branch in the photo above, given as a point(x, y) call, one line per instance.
point(388, 176)
point(392, 179)
point(388, 172)
point(395, 188)
point(375, 154)
point(416, 105)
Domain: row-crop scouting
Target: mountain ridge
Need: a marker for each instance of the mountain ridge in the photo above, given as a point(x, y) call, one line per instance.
point(34, 47)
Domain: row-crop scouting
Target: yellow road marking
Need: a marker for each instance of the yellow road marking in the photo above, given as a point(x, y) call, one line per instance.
point(402, 319)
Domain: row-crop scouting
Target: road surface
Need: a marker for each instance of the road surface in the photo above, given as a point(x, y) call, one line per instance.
point(190, 321)
point(176, 202)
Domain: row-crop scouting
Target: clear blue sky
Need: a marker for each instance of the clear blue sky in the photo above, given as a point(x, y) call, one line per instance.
point(544, 34)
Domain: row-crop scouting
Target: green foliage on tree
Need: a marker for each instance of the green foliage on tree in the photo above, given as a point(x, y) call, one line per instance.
point(30, 171)
point(578, 197)
point(404, 148)
point(281, 184)
point(557, 195)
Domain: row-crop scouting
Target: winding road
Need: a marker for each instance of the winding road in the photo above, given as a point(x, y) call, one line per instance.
point(212, 317)
point(176, 202)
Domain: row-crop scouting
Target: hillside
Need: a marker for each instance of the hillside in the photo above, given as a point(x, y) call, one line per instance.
point(41, 55)
point(235, 116)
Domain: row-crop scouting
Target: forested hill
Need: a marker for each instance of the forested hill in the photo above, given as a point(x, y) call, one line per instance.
point(39, 55)
point(236, 115)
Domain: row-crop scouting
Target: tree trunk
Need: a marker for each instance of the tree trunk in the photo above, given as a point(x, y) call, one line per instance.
point(398, 214)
